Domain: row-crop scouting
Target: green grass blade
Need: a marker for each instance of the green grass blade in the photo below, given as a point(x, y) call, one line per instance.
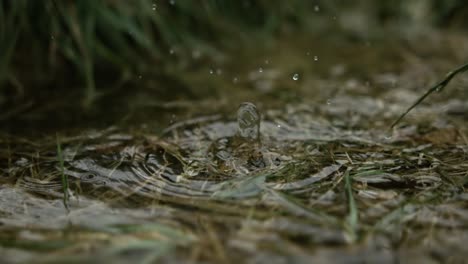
point(352, 221)
point(436, 88)
point(63, 175)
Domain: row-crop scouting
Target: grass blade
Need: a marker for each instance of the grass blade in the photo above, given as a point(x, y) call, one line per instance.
point(436, 88)
point(63, 175)
point(352, 221)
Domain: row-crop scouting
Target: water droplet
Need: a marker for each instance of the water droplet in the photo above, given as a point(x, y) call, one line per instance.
point(248, 121)
point(315, 58)
point(295, 77)
point(171, 51)
point(219, 71)
point(260, 70)
point(173, 118)
point(267, 62)
point(316, 8)
point(279, 126)
point(211, 71)
point(196, 54)
point(235, 80)
point(308, 53)
point(329, 102)
point(154, 6)
point(139, 76)
point(172, 2)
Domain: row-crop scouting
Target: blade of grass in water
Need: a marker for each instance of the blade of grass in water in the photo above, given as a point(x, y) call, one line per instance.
point(63, 175)
point(436, 88)
point(352, 221)
point(296, 207)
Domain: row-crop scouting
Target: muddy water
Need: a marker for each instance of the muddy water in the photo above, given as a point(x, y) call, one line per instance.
point(265, 181)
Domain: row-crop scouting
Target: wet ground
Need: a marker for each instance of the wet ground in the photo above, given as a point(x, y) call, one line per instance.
point(309, 170)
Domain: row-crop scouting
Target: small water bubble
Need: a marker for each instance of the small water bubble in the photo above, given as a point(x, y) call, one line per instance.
point(295, 77)
point(139, 77)
point(316, 8)
point(278, 126)
point(211, 71)
point(308, 53)
point(315, 58)
point(154, 6)
point(329, 102)
point(260, 70)
point(171, 51)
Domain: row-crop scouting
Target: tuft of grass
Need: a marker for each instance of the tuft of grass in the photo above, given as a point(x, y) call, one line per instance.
point(98, 39)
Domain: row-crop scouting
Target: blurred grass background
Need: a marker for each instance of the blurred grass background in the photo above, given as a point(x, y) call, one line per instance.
point(90, 48)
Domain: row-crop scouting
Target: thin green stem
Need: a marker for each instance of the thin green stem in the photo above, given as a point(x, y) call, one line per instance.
point(436, 88)
point(63, 175)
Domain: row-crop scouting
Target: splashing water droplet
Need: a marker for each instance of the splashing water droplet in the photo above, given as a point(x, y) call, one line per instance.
point(316, 8)
point(219, 71)
point(260, 70)
point(295, 77)
point(315, 58)
point(171, 51)
point(154, 7)
point(173, 119)
point(172, 2)
point(248, 122)
point(329, 102)
point(196, 54)
point(235, 80)
point(211, 71)
point(267, 62)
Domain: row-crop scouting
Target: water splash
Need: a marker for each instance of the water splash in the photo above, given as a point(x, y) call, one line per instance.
point(248, 121)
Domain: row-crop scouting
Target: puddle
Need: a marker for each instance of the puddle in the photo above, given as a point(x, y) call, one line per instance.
point(263, 181)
